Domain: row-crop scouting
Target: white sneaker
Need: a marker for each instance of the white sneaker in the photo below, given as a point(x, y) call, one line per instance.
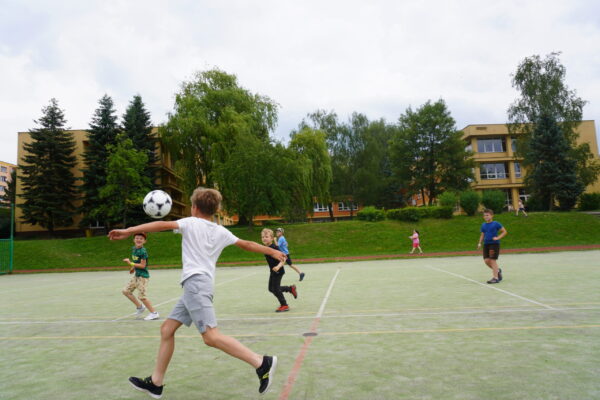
point(139, 311)
point(151, 316)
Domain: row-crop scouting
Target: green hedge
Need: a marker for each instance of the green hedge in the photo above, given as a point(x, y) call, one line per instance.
point(371, 213)
point(414, 214)
point(494, 200)
point(469, 201)
point(589, 201)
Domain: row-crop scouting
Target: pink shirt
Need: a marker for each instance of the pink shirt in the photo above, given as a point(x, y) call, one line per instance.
point(415, 238)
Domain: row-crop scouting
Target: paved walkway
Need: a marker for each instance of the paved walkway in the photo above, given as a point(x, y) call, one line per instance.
point(336, 259)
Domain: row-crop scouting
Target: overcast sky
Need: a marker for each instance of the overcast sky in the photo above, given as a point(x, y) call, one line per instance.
point(374, 57)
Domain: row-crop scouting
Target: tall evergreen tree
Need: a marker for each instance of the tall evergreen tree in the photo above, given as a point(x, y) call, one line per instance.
point(48, 183)
point(553, 171)
point(137, 126)
point(103, 132)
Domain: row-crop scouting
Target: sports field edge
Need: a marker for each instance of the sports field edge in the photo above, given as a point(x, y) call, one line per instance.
point(334, 259)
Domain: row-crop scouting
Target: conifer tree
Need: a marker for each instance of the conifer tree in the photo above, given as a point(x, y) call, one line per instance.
point(137, 126)
point(10, 192)
point(103, 132)
point(553, 175)
point(48, 183)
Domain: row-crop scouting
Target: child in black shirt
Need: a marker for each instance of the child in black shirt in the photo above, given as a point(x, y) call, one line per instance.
point(277, 271)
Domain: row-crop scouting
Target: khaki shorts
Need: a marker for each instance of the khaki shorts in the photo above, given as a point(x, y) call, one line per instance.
point(139, 283)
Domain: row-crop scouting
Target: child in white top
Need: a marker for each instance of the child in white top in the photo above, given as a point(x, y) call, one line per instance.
point(202, 244)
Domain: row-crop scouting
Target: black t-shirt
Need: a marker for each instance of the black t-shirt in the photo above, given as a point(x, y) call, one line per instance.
point(273, 262)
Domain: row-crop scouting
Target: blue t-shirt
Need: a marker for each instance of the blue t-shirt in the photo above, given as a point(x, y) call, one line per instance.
point(282, 244)
point(490, 230)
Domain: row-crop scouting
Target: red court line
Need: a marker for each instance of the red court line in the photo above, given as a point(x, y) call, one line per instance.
point(334, 259)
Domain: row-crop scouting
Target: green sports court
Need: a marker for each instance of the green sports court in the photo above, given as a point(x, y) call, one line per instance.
point(422, 328)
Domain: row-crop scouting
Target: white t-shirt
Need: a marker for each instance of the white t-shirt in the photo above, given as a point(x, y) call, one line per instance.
point(202, 244)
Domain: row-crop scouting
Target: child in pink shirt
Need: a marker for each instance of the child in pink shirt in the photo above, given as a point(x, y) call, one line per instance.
point(415, 242)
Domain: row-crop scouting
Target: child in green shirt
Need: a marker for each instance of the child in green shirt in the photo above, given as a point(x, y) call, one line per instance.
point(139, 265)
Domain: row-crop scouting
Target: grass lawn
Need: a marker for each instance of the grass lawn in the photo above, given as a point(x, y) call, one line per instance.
point(344, 238)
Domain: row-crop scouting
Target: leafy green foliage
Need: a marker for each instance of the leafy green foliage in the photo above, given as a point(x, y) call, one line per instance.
point(371, 214)
point(48, 183)
point(544, 94)
point(210, 112)
point(589, 201)
point(469, 201)
point(126, 184)
point(448, 199)
point(494, 200)
point(427, 152)
point(137, 126)
point(10, 191)
point(404, 214)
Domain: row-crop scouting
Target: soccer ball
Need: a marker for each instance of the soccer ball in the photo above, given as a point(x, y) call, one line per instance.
point(157, 204)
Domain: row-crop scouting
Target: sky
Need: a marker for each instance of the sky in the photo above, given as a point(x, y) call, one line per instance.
point(376, 57)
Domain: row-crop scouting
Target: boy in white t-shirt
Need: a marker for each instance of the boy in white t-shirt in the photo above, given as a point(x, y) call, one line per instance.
point(201, 246)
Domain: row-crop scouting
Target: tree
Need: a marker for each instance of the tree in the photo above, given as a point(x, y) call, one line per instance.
point(209, 113)
point(103, 132)
point(137, 126)
point(48, 183)
point(10, 192)
point(311, 145)
point(544, 94)
point(126, 185)
point(251, 181)
point(552, 176)
point(428, 153)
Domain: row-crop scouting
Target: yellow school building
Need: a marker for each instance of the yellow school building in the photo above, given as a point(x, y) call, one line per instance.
point(497, 166)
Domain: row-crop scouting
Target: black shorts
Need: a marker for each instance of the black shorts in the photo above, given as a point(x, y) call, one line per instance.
point(491, 250)
point(288, 261)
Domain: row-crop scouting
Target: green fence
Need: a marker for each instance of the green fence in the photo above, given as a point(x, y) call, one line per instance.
point(7, 241)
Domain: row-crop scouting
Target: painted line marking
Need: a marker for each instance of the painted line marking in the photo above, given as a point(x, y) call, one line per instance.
point(291, 379)
point(491, 287)
point(178, 297)
point(389, 332)
point(288, 317)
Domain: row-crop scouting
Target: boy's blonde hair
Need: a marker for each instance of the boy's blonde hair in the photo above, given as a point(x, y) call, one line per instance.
point(267, 231)
point(206, 200)
point(488, 211)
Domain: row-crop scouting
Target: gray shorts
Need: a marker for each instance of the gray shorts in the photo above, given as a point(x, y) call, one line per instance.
point(196, 304)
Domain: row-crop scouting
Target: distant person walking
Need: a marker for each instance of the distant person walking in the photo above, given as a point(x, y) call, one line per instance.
point(521, 208)
point(283, 247)
point(416, 243)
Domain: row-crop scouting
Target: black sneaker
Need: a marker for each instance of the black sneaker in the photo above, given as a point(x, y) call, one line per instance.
point(301, 276)
point(493, 280)
point(499, 274)
point(265, 373)
point(146, 385)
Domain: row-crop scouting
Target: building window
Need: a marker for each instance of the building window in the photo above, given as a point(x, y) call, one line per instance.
point(320, 207)
point(513, 144)
point(517, 170)
point(523, 196)
point(1, 189)
point(493, 171)
point(342, 206)
point(3, 169)
point(491, 145)
point(2, 179)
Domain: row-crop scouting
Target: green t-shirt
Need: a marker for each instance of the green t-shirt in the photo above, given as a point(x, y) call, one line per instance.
point(137, 255)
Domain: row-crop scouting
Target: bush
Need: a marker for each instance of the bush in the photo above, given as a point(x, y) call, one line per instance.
point(371, 213)
point(425, 212)
point(494, 200)
point(5, 214)
point(445, 212)
point(536, 203)
point(448, 199)
point(469, 201)
point(410, 214)
point(589, 201)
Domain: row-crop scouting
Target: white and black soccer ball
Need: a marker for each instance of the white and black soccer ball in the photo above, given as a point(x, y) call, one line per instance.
point(157, 204)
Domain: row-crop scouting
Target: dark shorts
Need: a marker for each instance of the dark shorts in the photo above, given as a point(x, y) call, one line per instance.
point(491, 251)
point(288, 261)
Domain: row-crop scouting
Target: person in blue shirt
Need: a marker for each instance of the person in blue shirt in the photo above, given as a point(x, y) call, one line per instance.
point(283, 247)
point(491, 244)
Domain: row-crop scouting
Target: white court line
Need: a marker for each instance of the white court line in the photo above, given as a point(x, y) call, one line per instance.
point(329, 289)
point(288, 317)
point(492, 287)
point(178, 297)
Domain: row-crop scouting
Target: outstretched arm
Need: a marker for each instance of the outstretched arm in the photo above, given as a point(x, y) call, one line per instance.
point(259, 248)
point(157, 226)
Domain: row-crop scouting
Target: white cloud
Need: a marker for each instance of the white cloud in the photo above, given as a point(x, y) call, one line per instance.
point(374, 57)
